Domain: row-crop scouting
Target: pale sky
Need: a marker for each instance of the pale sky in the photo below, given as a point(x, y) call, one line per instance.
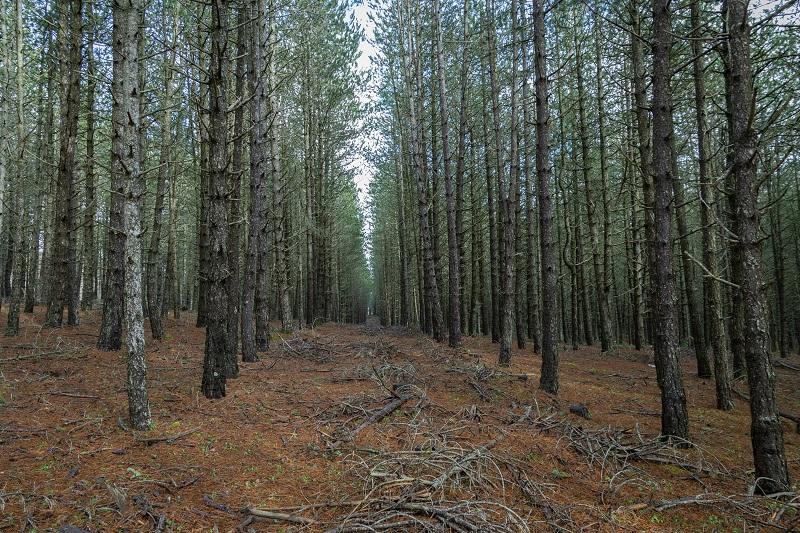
point(365, 170)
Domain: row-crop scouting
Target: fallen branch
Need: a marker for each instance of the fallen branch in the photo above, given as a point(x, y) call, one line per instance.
point(461, 465)
point(377, 416)
point(207, 500)
point(272, 515)
point(149, 441)
point(784, 364)
point(73, 395)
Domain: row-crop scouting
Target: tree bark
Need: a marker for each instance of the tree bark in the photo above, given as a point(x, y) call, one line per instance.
point(63, 271)
point(531, 263)
point(279, 184)
point(712, 294)
point(20, 207)
point(695, 322)
point(453, 261)
point(674, 417)
point(412, 79)
point(508, 190)
point(234, 200)
point(125, 168)
point(216, 345)
point(549, 378)
point(89, 295)
point(164, 165)
point(766, 432)
point(602, 279)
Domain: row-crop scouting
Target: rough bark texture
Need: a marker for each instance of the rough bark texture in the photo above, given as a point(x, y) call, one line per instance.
point(766, 433)
point(687, 267)
point(20, 206)
point(714, 313)
point(258, 64)
point(640, 105)
point(234, 200)
point(412, 79)
point(531, 263)
point(453, 264)
point(603, 288)
point(63, 271)
point(153, 257)
point(674, 417)
point(125, 167)
point(549, 378)
point(278, 189)
point(508, 190)
point(493, 292)
point(214, 371)
point(113, 289)
point(89, 294)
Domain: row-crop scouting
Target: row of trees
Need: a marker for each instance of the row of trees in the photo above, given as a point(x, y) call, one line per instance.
point(589, 172)
point(203, 162)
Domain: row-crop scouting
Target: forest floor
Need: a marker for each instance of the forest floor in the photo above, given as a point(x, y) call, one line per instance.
point(301, 442)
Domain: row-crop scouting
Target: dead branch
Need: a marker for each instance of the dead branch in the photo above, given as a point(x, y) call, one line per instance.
point(375, 417)
point(73, 395)
point(283, 517)
point(784, 364)
point(149, 441)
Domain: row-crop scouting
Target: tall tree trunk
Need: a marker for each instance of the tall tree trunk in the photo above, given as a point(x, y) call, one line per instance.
point(674, 417)
point(62, 282)
point(766, 433)
point(18, 251)
point(405, 284)
point(776, 229)
point(695, 322)
point(234, 200)
point(637, 264)
point(259, 42)
point(153, 271)
point(531, 263)
point(412, 79)
point(508, 190)
point(125, 168)
point(602, 279)
point(89, 295)
point(216, 346)
point(203, 127)
point(453, 260)
point(262, 282)
point(493, 292)
point(279, 185)
point(645, 148)
point(714, 312)
point(549, 378)
point(172, 282)
point(590, 220)
point(110, 338)
point(35, 278)
point(19, 211)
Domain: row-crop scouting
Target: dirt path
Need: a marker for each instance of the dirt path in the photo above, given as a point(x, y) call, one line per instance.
point(361, 426)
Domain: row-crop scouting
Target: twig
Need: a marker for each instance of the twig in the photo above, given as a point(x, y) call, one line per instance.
point(149, 441)
point(73, 395)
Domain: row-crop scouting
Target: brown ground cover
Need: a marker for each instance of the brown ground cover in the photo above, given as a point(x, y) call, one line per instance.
point(363, 428)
